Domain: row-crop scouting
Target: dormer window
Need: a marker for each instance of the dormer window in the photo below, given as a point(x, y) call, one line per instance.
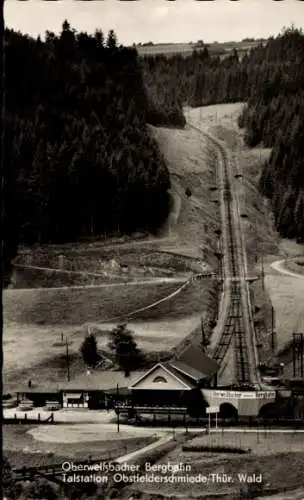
point(161, 379)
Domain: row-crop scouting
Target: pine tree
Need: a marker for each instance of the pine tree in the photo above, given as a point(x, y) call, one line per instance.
point(124, 347)
point(111, 40)
point(89, 350)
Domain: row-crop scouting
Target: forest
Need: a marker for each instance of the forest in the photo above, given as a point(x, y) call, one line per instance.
point(270, 79)
point(79, 159)
point(78, 155)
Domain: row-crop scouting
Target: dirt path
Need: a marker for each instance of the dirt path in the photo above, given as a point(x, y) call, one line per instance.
point(142, 451)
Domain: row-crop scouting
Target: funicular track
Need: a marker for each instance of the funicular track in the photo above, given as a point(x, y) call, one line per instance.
point(235, 324)
point(233, 333)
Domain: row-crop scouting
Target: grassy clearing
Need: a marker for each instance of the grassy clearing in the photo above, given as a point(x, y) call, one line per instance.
point(36, 343)
point(76, 306)
point(23, 450)
point(197, 298)
point(260, 443)
point(154, 335)
point(159, 329)
point(45, 362)
point(43, 369)
point(186, 49)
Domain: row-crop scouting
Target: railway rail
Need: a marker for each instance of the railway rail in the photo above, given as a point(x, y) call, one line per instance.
point(235, 325)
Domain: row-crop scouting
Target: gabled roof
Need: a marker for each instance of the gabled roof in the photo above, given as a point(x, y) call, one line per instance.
point(184, 381)
point(189, 367)
point(184, 369)
point(194, 357)
point(183, 377)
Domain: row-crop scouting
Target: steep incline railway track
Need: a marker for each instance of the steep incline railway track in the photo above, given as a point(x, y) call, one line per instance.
point(235, 324)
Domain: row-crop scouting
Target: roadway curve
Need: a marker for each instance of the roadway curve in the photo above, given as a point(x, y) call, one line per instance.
point(235, 324)
point(279, 265)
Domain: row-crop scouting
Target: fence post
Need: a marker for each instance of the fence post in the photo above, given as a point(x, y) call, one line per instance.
point(38, 417)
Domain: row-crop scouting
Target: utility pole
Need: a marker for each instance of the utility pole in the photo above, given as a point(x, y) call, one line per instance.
point(294, 354)
point(262, 271)
point(298, 353)
point(67, 358)
point(117, 407)
point(203, 332)
point(302, 354)
point(273, 331)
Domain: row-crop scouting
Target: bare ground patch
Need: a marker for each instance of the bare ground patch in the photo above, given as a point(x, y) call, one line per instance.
point(192, 170)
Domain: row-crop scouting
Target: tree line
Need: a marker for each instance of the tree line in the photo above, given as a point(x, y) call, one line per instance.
point(270, 79)
point(78, 155)
point(79, 159)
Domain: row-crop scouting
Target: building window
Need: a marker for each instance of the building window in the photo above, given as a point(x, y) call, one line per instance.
point(75, 401)
point(159, 378)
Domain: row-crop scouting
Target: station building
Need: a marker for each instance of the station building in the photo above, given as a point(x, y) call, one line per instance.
point(176, 385)
point(172, 382)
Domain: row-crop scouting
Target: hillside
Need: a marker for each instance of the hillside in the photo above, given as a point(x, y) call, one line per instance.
point(270, 79)
point(264, 245)
point(185, 245)
point(76, 142)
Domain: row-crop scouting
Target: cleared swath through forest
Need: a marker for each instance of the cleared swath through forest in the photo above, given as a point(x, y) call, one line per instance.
point(235, 321)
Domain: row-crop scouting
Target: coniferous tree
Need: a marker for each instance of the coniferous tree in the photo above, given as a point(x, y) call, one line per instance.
point(89, 350)
point(111, 40)
point(124, 347)
point(76, 144)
